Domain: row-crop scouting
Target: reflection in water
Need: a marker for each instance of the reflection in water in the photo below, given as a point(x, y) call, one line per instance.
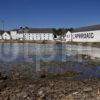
point(29, 55)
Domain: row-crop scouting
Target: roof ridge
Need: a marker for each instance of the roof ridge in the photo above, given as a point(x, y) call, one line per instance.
point(87, 28)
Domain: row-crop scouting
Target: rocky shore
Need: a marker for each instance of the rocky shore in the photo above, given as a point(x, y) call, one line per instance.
point(17, 88)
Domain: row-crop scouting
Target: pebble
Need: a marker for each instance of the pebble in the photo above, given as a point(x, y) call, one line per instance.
point(57, 89)
point(89, 89)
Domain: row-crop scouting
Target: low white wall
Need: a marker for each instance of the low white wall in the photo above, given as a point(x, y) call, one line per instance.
point(87, 36)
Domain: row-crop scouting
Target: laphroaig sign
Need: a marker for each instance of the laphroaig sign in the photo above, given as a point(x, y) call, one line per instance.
point(84, 35)
point(89, 36)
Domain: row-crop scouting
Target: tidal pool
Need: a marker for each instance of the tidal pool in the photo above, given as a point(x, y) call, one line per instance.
point(56, 58)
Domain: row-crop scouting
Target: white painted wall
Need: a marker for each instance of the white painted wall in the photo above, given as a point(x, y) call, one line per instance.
point(51, 36)
point(6, 36)
point(68, 36)
point(30, 36)
point(87, 36)
point(40, 36)
point(0, 37)
point(27, 36)
point(19, 36)
point(14, 35)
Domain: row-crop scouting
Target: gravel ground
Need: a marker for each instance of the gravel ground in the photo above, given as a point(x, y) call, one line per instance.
point(16, 87)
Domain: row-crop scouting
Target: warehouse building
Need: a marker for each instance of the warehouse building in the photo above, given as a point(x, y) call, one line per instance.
point(32, 34)
point(84, 34)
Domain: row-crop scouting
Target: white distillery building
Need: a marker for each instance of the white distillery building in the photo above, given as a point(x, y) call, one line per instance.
point(30, 34)
point(6, 36)
point(84, 34)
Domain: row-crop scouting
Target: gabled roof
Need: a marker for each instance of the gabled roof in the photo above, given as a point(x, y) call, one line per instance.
point(87, 28)
point(34, 30)
point(40, 30)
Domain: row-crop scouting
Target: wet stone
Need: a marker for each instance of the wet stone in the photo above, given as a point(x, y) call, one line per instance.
point(89, 89)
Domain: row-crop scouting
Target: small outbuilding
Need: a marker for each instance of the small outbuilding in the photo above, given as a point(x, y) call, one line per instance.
point(6, 36)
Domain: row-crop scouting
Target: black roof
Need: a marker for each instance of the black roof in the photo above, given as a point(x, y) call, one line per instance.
point(34, 30)
point(87, 28)
point(40, 30)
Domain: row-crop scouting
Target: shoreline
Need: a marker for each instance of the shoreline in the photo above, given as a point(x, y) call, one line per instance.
point(92, 44)
point(45, 89)
point(38, 42)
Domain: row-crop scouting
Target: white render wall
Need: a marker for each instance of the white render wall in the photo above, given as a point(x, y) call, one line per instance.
point(87, 36)
point(42, 36)
point(6, 36)
point(51, 36)
point(31, 36)
point(19, 36)
point(13, 35)
point(38, 36)
point(68, 36)
point(0, 37)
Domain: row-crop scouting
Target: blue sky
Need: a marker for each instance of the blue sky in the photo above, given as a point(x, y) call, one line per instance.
point(49, 13)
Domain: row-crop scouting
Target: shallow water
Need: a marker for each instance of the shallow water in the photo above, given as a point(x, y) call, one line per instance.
point(29, 57)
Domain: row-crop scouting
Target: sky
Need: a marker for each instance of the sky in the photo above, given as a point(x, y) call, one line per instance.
point(49, 13)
